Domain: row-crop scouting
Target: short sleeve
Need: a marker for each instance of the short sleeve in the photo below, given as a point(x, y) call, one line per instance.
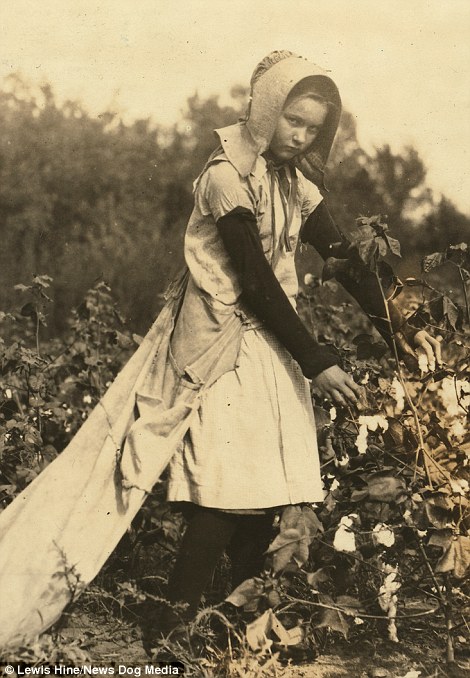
point(221, 189)
point(310, 197)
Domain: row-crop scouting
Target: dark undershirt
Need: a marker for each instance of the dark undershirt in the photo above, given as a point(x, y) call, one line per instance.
point(264, 296)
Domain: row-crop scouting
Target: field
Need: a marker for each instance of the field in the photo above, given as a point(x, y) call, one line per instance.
point(372, 582)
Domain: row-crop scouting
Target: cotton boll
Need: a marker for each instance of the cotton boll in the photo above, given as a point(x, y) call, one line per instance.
point(398, 394)
point(384, 535)
point(369, 423)
point(345, 540)
point(422, 361)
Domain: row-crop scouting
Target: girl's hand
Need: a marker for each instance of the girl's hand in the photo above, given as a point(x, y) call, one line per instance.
point(430, 347)
point(336, 385)
point(422, 344)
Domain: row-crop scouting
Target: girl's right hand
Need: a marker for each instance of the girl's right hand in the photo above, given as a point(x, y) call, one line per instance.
point(336, 385)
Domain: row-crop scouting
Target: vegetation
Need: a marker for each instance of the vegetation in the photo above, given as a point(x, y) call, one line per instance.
point(390, 546)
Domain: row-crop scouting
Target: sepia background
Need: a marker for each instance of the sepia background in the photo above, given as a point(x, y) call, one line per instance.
point(107, 110)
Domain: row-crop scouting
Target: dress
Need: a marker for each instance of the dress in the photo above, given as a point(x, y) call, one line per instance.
point(252, 444)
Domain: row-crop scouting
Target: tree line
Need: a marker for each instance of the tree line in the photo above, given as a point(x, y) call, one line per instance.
point(84, 197)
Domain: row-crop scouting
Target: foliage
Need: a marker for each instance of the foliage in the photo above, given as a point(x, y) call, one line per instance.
point(395, 521)
point(393, 529)
point(48, 388)
point(85, 198)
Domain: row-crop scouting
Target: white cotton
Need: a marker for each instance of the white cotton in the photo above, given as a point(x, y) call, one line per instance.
point(451, 392)
point(383, 534)
point(388, 599)
point(345, 540)
point(458, 429)
point(398, 394)
point(369, 423)
point(423, 362)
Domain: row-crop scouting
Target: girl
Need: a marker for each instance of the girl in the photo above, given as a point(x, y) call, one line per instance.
point(252, 445)
point(219, 387)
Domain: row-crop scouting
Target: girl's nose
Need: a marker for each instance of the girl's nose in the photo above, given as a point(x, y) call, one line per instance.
point(299, 136)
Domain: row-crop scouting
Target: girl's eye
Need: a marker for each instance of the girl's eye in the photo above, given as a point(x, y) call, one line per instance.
point(312, 130)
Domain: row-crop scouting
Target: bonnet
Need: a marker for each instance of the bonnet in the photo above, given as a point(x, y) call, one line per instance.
point(272, 81)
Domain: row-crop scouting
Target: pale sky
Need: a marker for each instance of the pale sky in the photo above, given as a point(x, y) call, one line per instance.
point(402, 66)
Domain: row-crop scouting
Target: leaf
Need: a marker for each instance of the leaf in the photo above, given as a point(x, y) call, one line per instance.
point(452, 313)
point(28, 310)
point(349, 604)
point(414, 282)
point(456, 558)
point(394, 245)
point(287, 545)
point(433, 260)
point(367, 250)
point(437, 516)
point(441, 538)
point(386, 488)
point(286, 637)
point(312, 522)
point(333, 619)
point(247, 592)
point(257, 633)
point(318, 577)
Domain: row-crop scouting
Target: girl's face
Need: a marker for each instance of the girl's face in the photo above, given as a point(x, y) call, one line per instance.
point(297, 127)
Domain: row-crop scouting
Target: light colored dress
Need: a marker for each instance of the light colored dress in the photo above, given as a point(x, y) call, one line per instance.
point(252, 444)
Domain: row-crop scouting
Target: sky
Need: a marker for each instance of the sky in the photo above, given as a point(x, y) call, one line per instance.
point(402, 66)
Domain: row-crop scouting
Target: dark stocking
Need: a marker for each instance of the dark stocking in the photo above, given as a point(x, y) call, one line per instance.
point(206, 538)
point(209, 533)
point(248, 545)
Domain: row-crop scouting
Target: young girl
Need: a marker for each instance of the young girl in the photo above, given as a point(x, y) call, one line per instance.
point(252, 445)
point(219, 387)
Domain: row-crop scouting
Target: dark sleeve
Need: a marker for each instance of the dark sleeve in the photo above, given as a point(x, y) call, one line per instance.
point(264, 296)
point(321, 232)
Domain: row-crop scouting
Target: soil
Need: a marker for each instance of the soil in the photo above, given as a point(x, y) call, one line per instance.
point(108, 640)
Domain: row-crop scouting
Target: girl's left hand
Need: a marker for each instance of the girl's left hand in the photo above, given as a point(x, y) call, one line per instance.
point(421, 344)
point(430, 347)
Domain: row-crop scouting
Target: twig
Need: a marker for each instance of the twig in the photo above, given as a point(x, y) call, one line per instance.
point(347, 611)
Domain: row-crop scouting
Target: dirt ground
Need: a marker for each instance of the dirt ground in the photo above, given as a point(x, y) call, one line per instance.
point(418, 655)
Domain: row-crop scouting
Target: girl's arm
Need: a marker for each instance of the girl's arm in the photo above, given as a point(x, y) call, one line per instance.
point(321, 232)
point(264, 296)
